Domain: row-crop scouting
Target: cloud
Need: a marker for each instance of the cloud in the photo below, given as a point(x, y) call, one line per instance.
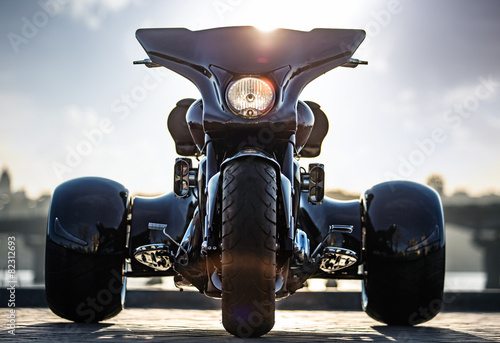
point(94, 12)
point(82, 117)
point(458, 93)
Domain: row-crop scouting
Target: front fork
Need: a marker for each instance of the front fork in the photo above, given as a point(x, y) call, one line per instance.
point(207, 187)
point(291, 241)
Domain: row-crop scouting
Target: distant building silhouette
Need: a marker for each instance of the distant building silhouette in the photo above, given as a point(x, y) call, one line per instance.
point(5, 182)
point(26, 219)
point(5, 192)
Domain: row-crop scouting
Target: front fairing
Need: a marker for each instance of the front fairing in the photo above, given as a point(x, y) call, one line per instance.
point(213, 58)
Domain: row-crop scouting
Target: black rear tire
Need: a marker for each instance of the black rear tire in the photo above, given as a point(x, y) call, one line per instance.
point(404, 292)
point(249, 196)
point(83, 287)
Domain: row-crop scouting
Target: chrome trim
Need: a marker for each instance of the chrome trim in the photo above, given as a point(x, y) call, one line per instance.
point(157, 226)
point(123, 292)
point(155, 256)
point(211, 190)
point(286, 189)
point(341, 228)
point(148, 63)
point(216, 281)
point(301, 247)
point(204, 248)
point(332, 228)
point(304, 185)
point(279, 283)
point(353, 63)
point(334, 259)
point(163, 227)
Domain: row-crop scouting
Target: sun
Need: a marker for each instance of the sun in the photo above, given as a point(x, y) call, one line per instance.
point(266, 26)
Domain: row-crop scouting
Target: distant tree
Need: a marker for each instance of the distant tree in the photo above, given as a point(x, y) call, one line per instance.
point(436, 181)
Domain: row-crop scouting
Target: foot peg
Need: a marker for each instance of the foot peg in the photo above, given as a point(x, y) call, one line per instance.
point(334, 259)
point(156, 256)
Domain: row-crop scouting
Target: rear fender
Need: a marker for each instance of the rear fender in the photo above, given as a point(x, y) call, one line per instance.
point(403, 220)
point(89, 215)
point(167, 210)
point(316, 222)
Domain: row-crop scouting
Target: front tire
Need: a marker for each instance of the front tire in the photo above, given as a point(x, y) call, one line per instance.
point(249, 197)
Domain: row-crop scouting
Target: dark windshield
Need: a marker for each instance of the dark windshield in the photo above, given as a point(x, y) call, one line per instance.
point(247, 50)
point(295, 57)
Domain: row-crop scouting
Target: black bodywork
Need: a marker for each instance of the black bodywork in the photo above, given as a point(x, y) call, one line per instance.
point(92, 216)
point(393, 220)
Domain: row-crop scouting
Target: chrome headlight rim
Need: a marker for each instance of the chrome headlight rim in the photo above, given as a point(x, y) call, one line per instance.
point(250, 112)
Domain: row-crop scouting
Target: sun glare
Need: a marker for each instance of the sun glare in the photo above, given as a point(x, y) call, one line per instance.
point(266, 26)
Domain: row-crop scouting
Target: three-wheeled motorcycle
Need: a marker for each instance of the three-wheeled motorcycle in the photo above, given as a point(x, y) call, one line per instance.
point(245, 222)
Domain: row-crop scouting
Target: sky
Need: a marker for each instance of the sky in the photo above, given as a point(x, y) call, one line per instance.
point(73, 104)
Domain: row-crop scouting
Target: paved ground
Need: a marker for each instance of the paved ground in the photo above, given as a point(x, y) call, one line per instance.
point(133, 325)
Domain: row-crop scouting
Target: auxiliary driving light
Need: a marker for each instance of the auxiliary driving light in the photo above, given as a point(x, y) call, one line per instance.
point(250, 97)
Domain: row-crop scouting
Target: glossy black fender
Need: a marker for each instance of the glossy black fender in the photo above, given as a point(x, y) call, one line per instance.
point(405, 253)
point(403, 220)
point(89, 215)
point(285, 190)
point(166, 209)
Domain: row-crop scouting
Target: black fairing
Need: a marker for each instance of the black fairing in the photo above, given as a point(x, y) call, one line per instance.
point(213, 58)
point(404, 220)
point(312, 147)
point(89, 215)
point(194, 119)
point(165, 209)
point(307, 132)
point(179, 130)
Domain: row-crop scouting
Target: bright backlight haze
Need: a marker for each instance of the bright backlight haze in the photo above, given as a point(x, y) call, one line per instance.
point(74, 105)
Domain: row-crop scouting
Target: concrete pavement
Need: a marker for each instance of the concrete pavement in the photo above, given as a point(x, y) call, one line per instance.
point(134, 325)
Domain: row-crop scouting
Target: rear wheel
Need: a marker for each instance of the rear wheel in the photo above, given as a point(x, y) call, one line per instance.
point(249, 196)
point(85, 250)
point(405, 253)
point(83, 287)
point(404, 292)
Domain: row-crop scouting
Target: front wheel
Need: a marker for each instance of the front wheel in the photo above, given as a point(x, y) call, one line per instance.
point(249, 196)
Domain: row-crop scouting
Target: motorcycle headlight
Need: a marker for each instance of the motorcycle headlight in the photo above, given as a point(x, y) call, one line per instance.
point(250, 97)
